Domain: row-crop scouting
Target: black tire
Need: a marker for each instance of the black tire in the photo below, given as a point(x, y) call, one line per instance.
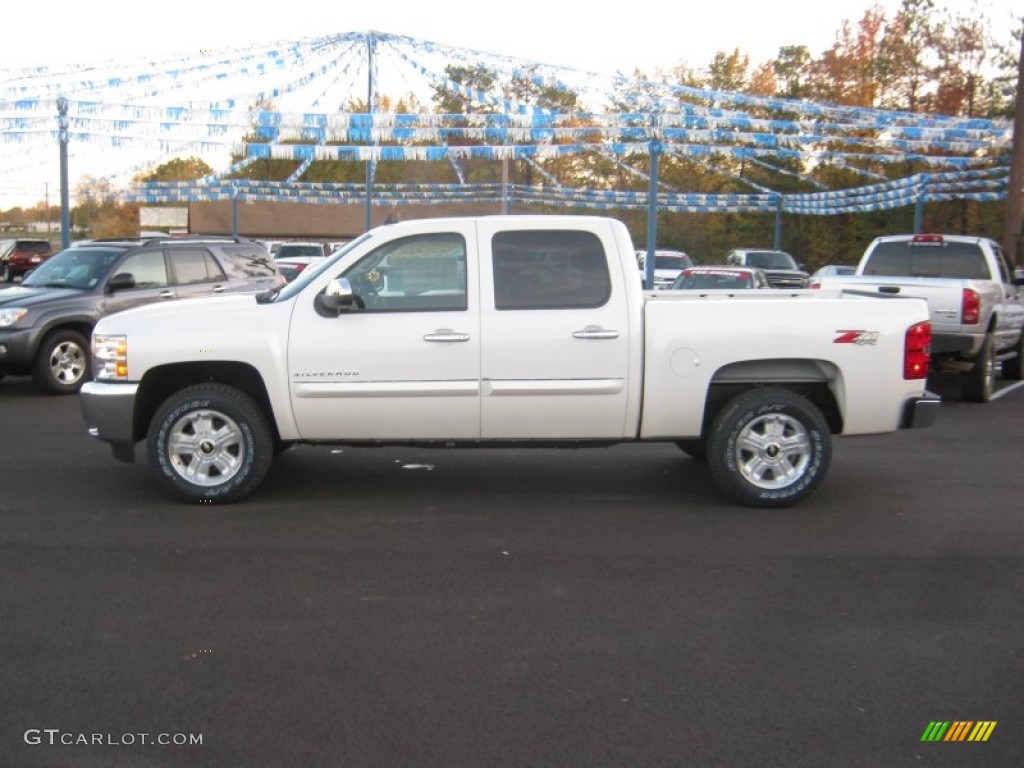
point(695, 449)
point(1014, 367)
point(210, 443)
point(979, 383)
point(769, 447)
point(62, 363)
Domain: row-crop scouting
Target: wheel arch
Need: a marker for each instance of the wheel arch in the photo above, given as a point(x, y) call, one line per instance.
point(818, 380)
point(161, 382)
point(81, 326)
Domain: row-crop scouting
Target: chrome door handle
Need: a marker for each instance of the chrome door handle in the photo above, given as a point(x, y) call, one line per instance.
point(595, 332)
point(447, 335)
point(166, 294)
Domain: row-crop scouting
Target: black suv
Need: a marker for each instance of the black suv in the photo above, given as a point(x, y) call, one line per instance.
point(45, 322)
point(781, 269)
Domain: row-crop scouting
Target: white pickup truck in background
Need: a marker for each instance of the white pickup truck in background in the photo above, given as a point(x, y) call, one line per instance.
point(511, 330)
point(975, 301)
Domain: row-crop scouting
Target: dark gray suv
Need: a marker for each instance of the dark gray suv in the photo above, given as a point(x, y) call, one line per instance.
point(45, 322)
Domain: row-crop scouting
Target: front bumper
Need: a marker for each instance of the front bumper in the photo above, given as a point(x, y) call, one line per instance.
point(920, 411)
point(109, 411)
point(15, 350)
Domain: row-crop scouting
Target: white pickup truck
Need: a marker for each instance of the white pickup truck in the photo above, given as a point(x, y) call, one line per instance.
point(975, 301)
point(517, 330)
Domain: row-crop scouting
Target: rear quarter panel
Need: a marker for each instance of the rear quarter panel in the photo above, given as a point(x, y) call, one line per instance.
point(692, 340)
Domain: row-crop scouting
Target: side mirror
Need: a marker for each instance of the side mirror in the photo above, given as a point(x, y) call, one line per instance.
point(337, 297)
point(120, 282)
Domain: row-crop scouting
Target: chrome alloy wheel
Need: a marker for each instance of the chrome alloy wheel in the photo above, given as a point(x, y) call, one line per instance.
point(206, 448)
point(67, 362)
point(773, 451)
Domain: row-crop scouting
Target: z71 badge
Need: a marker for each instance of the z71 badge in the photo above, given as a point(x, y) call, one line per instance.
point(856, 337)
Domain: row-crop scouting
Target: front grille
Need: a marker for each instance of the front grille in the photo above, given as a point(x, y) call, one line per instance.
point(787, 282)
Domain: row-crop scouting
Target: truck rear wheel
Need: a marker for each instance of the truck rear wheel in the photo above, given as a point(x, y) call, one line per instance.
point(210, 443)
point(769, 447)
point(979, 383)
point(1012, 368)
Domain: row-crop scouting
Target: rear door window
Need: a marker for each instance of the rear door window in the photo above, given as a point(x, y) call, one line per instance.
point(195, 265)
point(549, 269)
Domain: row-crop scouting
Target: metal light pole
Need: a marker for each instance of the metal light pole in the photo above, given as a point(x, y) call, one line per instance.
point(652, 216)
point(370, 96)
point(65, 209)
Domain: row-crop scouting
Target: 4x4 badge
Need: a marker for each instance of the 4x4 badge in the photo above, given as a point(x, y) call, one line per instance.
point(856, 337)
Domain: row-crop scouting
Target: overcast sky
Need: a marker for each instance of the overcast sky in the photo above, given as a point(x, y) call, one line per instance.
point(586, 35)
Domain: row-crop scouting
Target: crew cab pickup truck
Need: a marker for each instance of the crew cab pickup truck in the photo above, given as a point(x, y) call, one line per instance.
point(512, 330)
point(974, 299)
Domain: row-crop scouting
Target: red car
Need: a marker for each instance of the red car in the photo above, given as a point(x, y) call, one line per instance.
point(19, 256)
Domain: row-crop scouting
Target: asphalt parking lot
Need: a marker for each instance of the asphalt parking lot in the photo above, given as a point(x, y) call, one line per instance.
point(607, 607)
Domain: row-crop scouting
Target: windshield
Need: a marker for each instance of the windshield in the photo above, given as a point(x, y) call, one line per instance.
point(771, 260)
point(713, 280)
point(80, 268)
point(287, 250)
point(672, 262)
point(310, 273)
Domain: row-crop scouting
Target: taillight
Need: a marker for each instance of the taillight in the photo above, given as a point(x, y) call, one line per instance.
point(917, 347)
point(927, 240)
point(970, 307)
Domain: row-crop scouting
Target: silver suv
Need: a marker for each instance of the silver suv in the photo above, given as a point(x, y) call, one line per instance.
point(45, 323)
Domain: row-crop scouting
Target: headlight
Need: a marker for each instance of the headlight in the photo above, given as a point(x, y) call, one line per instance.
point(9, 317)
point(110, 357)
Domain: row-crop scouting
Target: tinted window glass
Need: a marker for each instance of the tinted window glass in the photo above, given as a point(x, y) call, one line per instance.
point(33, 246)
point(195, 266)
point(419, 273)
point(248, 260)
point(713, 281)
point(288, 250)
point(771, 260)
point(948, 259)
point(672, 262)
point(549, 270)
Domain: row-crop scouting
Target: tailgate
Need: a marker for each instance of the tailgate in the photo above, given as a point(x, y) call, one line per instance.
point(944, 295)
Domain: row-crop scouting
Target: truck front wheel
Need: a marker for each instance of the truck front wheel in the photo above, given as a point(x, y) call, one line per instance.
point(769, 447)
point(210, 443)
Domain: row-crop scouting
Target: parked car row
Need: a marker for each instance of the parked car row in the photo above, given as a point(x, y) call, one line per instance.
point(778, 267)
